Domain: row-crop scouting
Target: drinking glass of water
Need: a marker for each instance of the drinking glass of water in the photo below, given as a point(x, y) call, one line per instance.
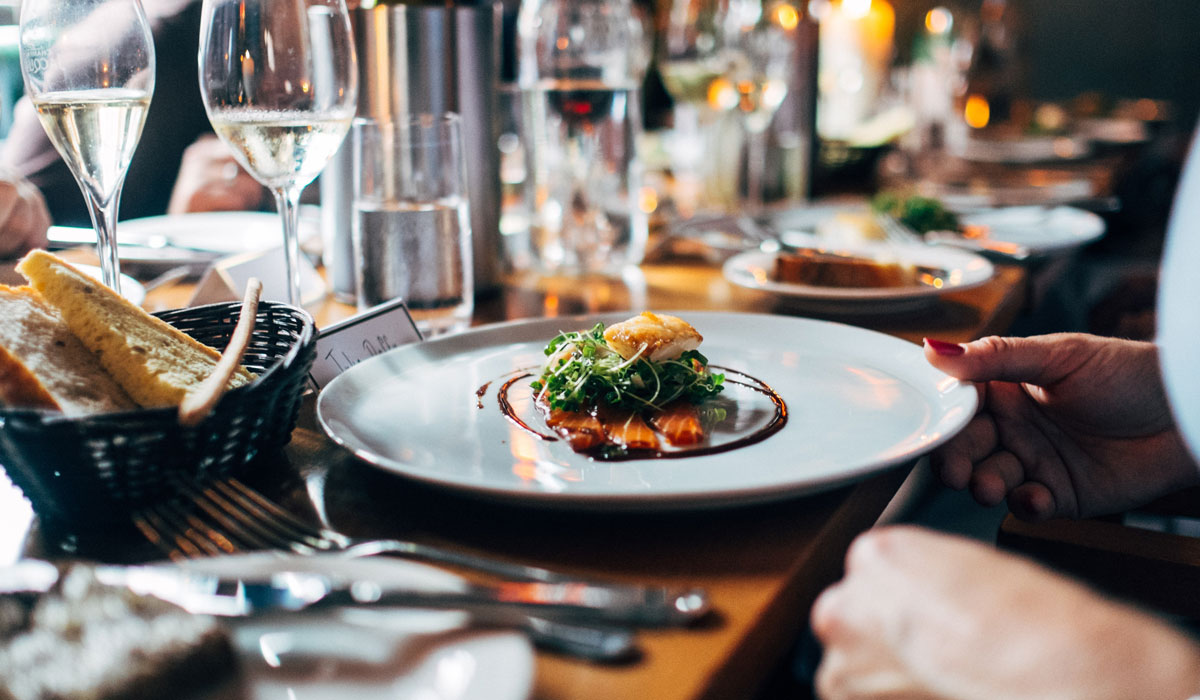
point(89, 70)
point(411, 226)
point(280, 85)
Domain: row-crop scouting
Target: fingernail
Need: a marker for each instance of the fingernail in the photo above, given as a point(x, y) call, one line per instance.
point(941, 347)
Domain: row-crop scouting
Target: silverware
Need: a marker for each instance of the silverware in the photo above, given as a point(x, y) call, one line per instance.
point(295, 592)
point(227, 516)
point(898, 233)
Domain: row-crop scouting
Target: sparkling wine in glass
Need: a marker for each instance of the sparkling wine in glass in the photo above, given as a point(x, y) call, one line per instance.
point(89, 71)
point(761, 40)
point(280, 85)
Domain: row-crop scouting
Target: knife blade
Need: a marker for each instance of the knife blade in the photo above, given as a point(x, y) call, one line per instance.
point(293, 591)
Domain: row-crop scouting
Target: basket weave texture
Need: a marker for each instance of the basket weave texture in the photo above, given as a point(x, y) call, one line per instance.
point(102, 467)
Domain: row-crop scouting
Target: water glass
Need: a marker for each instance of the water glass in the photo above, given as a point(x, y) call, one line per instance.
point(411, 227)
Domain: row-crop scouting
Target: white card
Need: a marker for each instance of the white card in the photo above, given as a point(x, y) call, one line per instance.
point(226, 279)
point(365, 335)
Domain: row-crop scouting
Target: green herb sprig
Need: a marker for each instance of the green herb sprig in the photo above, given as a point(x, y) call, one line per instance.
point(583, 371)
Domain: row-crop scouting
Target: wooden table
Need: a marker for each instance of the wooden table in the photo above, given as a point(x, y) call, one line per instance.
point(762, 565)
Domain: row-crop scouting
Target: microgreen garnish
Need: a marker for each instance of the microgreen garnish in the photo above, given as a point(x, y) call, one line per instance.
point(582, 371)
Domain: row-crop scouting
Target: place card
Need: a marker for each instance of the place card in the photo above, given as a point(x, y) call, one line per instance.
point(360, 337)
point(226, 279)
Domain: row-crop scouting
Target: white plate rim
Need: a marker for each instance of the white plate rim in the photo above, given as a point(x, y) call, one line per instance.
point(977, 271)
point(1089, 227)
point(131, 289)
point(964, 395)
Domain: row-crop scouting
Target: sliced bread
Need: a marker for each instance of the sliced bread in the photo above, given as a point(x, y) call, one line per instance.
point(43, 364)
point(155, 363)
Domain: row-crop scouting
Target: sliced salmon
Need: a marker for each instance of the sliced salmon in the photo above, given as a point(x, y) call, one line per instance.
point(679, 423)
point(626, 429)
point(582, 431)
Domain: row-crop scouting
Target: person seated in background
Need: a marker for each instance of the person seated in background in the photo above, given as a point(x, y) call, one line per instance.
point(178, 165)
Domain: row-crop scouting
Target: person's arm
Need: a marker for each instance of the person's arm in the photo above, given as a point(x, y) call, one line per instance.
point(924, 615)
point(1070, 425)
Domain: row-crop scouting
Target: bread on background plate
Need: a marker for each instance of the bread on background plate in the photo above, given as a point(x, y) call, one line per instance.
point(43, 364)
point(156, 364)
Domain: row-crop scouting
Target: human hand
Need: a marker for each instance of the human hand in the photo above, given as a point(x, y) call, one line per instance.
point(211, 180)
point(1070, 425)
point(23, 216)
point(925, 615)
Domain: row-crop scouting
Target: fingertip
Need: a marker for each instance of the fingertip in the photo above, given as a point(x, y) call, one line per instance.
point(953, 473)
point(824, 617)
point(1032, 502)
point(987, 489)
point(943, 348)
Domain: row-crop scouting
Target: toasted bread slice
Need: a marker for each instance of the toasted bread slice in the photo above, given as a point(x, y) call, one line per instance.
point(819, 269)
point(43, 364)
point(155, 363)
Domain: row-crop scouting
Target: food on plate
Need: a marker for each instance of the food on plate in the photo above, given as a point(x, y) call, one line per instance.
point(156, 364)
point(823, 269)
point(851, 227)
point(921, 214)
point(84, 640)
point(43, 364)
point(622, 388)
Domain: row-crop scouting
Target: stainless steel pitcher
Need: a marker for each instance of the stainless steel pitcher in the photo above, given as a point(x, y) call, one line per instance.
point(425, 57)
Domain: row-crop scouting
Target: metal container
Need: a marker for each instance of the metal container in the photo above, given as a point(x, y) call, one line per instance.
point(417, 58)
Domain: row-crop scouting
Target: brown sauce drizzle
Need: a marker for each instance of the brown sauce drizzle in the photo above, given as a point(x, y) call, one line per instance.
point(480, 393)
point(770, 428)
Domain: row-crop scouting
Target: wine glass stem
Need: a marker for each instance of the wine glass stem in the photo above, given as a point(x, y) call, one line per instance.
point(288, 202)
point(104, 220)
point(756, 165)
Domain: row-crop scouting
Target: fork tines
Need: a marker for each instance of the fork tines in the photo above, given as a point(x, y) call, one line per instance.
point(224, 517)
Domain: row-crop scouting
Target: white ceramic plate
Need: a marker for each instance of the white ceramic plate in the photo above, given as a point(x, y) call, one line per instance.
point(178, 237)
point(379, 654)
point(131, 289)
point(858, 402)
point(1043, 230)
point(963, 270)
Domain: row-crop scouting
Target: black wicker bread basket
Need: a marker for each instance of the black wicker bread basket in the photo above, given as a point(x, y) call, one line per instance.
point(101, 467)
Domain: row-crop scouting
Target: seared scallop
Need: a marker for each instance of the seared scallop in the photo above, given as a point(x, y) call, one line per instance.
point(657, 336)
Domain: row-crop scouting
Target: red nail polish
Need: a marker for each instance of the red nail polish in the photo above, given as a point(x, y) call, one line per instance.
point(941, 347)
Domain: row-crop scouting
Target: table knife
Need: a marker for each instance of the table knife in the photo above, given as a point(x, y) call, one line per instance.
point(290, 592)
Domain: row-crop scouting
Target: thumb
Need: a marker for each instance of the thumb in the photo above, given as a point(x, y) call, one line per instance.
point(1036, 360)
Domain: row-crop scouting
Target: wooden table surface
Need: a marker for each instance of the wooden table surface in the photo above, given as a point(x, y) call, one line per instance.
point(762, 565)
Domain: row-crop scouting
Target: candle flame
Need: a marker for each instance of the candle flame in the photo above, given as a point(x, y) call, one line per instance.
point(787, 17)
point(856, 9)
point(977, 112)
point(939, 20)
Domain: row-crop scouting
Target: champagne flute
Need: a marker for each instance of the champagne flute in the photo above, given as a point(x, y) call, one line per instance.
point(280, 84)
point(89, 71)
point(761, 38)
point(691, 59)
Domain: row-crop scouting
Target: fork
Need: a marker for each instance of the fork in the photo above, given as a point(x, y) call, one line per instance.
point(183, 534)
point(898, 233)
point(228, 516)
